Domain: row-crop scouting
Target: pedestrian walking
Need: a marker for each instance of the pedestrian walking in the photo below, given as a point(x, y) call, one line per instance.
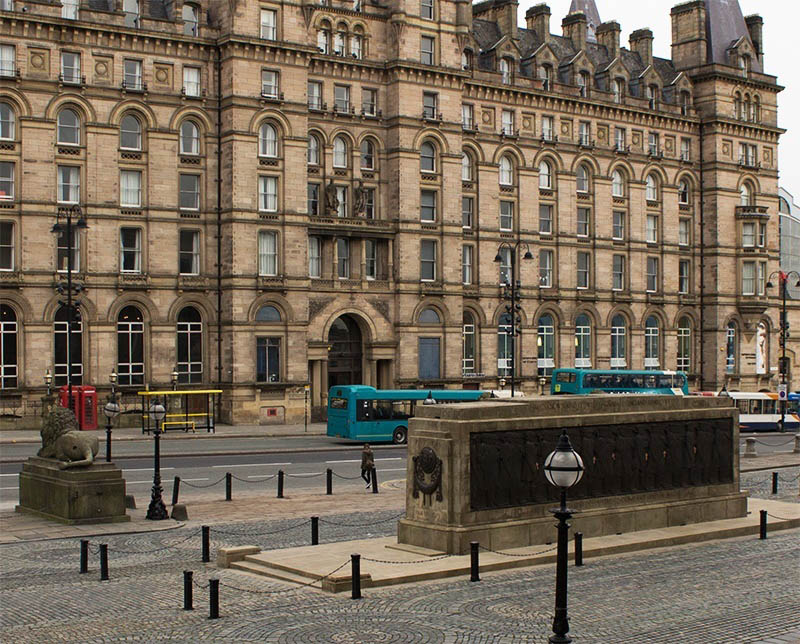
point(367, 463)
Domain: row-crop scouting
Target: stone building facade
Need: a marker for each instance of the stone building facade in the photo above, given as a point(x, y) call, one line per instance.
point(283, 196)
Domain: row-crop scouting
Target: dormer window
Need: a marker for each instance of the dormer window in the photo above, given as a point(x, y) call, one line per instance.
point(131, 10)
point(69, 9)
point(190, 14)
point(686, 102)
point(546, 75)
point(505, 71)
point(744, 65)
point(466, 59)
point(618, 88)
point(652, 96)
point(583, 84)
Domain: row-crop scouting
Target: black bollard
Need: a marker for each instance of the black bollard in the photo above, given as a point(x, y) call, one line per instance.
point(329, 482)
point(206, 544)
point(314, 531)
point(474, 547)
point(84, 556)
point(103, 562)
point(176, 489)
point(774, 482)
point(763, 527)
point(579, 548)
point(187, 590)
point(280, 484)
point(213, 599)
point(355, 572)
point(374, 480)
point(228, 485)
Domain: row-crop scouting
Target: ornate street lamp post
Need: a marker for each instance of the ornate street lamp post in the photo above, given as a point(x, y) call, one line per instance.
point(111, 411)
point(511, 293)
point(48, 380)
point(783, 336)
point(174, 376)
point(563, 468)
point(157, 510)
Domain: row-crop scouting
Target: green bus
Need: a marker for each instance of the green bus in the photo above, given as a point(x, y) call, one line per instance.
point(617, 381)
point(363, 413)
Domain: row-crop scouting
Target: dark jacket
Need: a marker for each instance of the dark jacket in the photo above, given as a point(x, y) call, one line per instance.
point(367, 459)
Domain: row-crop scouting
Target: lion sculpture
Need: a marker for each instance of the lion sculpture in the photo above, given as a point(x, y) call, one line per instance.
point(63, 441)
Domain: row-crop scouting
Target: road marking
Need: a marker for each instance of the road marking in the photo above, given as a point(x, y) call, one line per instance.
point(10, 474)
point(393, 469)
point(8, 488)
point(350, 461)
point(147, 469)
point(252, 465)
point(396, 458)
point(150, 482)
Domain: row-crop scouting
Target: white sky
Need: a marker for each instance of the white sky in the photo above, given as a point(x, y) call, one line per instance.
point(781, 55)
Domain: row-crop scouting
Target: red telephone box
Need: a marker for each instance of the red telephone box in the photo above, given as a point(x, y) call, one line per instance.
point(84, 403)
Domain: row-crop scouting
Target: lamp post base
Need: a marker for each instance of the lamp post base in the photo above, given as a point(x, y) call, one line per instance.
point(157, 511)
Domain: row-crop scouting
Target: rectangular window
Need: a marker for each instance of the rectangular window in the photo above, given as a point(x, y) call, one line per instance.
point(189, 252)
point(343, 258)
point(191, 81)
point(130, 250)
point(585, 133)
point(267, 253)
point(70, 68)
point(467, 263)
point(652, 144)
point(426, 50)
point(63, 254)
point(341, 98)
point(426, 9)
point(269, 21)
point(268, 194)
point(131, 10)
point(748, 154)
point(314, 95)
point(370, 259)
point(8, 60)
point(618, 273)
point(6, 180)
point(749, 278)
point(6, 246)
point(268, 359)
point(369, 203)
point(313, 198)
point(652, 229)
point(762, 235)
point(618, 229)
point(343, 209)
point(507, 120)
point(619, 139)
point(761, 279)
point(506, 215)
point(69, 184)
point(132, 78)
point(547, 128)
point(545, 268)
point(467, 117)
point(429, 105)
point(686, 150)
point(545, 219)
point(748, 235)
point(505, 264)
point(684, 232)
point(584, 272)
point(652, 274)
point(683, 276)
point(427, 254)
point(429, 361)
point(270, 83)
point(189, 192)
point(369, 102)
point(314, 257)
point(427, 205)
point(69, 9)
point(584, 219)
point(467, 209)
point(130, 188)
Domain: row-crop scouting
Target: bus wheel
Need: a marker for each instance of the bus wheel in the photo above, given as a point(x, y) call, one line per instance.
point(400, 436)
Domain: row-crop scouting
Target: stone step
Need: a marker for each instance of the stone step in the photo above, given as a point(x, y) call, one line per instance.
point(263, 570)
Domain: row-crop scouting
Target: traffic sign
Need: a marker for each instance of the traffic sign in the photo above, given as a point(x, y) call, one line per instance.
point(781, 392)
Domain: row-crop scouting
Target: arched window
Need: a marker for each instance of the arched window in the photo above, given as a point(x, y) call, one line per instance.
point(69, 127)
point(546, 76)
point(745, 195)
point(8, 347)
point(313, 157)
point(68, 350)
point(652, 344)
point(618, 87)
point(737, 105)
point(684, 344)
point(468, 348)
point(427, 157)
point(545, 175)
point(130, 133)
point(367, 155)
point(505, 70)
point(545, 344)
point(268, 313)
point(340, 41)
point(746, 108)
point(324, 38)
point(504, 339)
point(429, 316)
point(582, 179)
point(619, 342)
point(583, 342)
point(190, 138)
point(683, 191)
point(651, 190)
point(130, 346)
point(339, 152)
point(8, 120)
point(190, 14)
point(506, 172)
point(466, 167)
point(357, 43)
point(617, 184)
point(190, 346)
point(731, 347)
point(755, 116)
point(267, 141)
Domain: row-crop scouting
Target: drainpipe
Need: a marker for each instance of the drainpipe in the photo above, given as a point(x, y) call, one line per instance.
point(702, 267)
point(219, 215)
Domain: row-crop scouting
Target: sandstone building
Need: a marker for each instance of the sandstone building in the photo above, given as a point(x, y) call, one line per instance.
point(280, 194)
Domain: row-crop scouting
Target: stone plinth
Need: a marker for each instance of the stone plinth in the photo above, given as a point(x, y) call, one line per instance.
point(651, 462)
point(94, 494)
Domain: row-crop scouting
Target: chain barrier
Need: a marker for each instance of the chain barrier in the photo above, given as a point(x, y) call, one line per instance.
point(260, 480)
point(285, 590)
point(418, 561)
point(144, 552)
point(779, 518)
point(255, 534)
point(791, 480)
point(527, 554)
point(94, 549)
point(760, 442)
point(200, 586)
point(183, 482)
point(346, 478)
point(361, 525)
point(305, 476)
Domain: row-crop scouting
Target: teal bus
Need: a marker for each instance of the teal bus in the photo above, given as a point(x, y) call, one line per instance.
point(616, 381)
point(363, 413)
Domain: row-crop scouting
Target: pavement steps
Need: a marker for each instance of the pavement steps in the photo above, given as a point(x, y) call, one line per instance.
point(273, 571)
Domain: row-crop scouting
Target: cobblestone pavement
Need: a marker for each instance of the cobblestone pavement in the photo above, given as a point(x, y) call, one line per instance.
point(740, 590)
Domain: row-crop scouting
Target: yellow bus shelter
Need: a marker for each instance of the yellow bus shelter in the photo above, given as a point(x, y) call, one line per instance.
point(186, 409)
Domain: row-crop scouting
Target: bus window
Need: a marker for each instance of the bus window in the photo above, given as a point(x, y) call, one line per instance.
point(383, 410)
point(650, 382)
point(338, 403)
point(565, 376)
point(589, 381)
point(664, 381)
point(363, 410)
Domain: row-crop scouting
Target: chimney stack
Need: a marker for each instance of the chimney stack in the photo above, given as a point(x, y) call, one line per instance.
point(575, 27)
point(755, 25)
point(608, 36)
point(641, 42)
point(537, 19)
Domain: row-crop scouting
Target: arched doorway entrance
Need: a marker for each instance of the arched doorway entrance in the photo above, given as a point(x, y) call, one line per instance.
point(345, 356)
